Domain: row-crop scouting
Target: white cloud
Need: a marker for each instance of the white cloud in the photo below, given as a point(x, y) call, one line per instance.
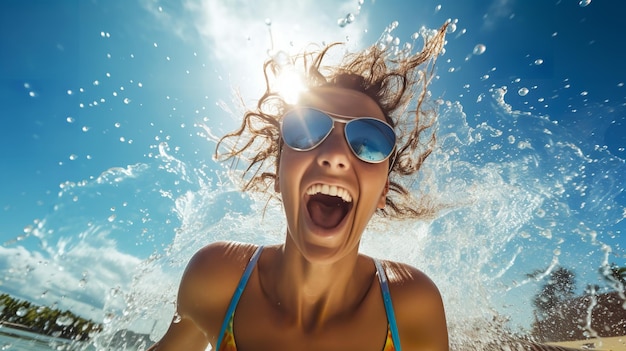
point(79, 279)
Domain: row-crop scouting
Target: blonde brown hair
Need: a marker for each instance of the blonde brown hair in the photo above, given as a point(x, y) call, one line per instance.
point(398, 84)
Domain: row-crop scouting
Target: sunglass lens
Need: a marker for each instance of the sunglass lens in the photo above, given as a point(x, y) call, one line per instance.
point(370, 139)
point(305, 128)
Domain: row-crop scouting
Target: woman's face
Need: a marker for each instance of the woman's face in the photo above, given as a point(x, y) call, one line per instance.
point(328, 194)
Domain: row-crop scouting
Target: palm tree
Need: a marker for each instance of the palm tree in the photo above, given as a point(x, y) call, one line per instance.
point(615, 276)
point(558, 289)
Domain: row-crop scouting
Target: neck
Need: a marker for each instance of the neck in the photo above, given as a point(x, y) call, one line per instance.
point(312, 293)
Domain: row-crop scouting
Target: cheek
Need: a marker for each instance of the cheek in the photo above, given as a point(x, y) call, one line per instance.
point(374, 181)
point(290, 169)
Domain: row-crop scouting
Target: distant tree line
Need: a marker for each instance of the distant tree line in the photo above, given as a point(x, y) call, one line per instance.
point(45, 320)
point(562, 315)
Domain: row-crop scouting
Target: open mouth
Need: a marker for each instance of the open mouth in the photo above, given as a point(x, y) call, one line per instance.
point(328, 205)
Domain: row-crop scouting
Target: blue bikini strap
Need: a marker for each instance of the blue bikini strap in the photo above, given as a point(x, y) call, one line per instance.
point(391, 317)
point(237, 294)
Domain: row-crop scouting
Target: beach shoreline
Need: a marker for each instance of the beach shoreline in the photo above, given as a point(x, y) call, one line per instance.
point(16, 326)
point(616, 343)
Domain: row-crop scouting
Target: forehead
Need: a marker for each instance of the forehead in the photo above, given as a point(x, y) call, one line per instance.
point(342, 101)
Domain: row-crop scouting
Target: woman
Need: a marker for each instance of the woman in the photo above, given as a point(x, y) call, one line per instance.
point(335, 158)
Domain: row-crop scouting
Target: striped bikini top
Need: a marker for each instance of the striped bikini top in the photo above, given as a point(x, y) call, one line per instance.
point(226, 340)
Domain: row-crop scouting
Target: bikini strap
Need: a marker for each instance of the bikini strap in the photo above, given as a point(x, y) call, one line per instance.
point(238, 292)
point(391, 317)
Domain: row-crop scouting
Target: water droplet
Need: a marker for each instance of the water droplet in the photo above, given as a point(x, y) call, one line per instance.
point(69, 92)
point(73, 157)
point(85, 129)
point(268, 22)
point(64, 321)
point(126, 101)
point(21, 312)
point(538, 62)
point(584, 3)
point(111, 218)
point(523, 91)
point(479, 49)
point(177, 318)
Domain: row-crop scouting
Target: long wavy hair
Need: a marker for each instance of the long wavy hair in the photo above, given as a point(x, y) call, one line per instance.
point(397, 83)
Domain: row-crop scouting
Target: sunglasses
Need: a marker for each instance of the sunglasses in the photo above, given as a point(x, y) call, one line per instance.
point(370, 139)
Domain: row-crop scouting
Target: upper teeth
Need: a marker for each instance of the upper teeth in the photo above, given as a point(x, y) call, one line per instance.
point(331, 190)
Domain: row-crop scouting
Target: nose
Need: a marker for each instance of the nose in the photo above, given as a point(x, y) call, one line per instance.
point(334, 153)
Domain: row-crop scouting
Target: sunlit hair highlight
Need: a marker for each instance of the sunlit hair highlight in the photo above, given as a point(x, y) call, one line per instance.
point(397, 83)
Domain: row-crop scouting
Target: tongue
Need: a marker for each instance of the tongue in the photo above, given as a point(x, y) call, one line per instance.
point(324, 214)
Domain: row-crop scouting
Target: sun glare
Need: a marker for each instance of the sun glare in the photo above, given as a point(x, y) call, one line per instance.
point(290, 84)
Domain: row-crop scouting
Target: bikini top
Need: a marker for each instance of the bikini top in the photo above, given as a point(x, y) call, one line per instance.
point(226, 340)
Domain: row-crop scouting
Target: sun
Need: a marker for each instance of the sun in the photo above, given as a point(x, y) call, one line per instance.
point(290, 84)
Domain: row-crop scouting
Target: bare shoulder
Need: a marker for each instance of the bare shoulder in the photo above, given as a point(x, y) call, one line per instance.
point(407, 281)
point(212, 275)
point(205, 291)
point(418, 307)
point(230, 257)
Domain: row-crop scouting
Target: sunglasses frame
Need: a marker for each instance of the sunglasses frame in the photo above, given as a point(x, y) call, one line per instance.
point(344, 120)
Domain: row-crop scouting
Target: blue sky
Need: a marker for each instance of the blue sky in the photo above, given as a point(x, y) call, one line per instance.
point(111, 108)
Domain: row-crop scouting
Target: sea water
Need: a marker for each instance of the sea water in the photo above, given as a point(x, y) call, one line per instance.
point(14, 339)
